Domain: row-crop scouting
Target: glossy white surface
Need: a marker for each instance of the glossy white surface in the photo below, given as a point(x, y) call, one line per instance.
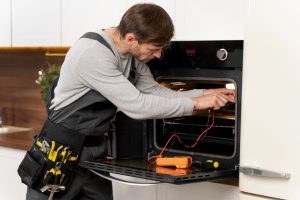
point(164, 191)
point(10, 183)
point(81, 16)
point(270, 103)
point(62, 22)
point(210, 20)
point(193, 20)
point(36, 23)
point(5, 23)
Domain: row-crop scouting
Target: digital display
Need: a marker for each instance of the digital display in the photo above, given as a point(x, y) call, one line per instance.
point(190, 52)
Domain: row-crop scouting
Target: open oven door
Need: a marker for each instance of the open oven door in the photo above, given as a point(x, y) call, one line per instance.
point(138, 168)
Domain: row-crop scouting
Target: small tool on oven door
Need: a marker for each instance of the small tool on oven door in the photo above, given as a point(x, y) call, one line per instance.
point(208, 164)
point(177, 161)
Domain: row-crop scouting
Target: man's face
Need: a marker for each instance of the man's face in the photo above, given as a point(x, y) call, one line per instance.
point(146, 52)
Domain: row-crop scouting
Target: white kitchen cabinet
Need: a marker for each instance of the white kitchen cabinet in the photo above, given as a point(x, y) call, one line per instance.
point(165, 191)
point(270, 102)
point(122, 191)
point(197, 191)
point(10, 183)
point(5, 23)
point(36, 23)
point(81, 16)
point(210, 20)
point(169, 6)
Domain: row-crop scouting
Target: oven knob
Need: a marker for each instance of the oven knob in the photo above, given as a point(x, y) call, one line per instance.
point(222, 54)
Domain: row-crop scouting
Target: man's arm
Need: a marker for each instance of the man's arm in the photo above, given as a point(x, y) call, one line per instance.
point(148, 85)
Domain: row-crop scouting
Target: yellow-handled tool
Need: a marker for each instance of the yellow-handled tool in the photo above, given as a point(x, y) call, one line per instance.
point(207, 164)
point(51, 150)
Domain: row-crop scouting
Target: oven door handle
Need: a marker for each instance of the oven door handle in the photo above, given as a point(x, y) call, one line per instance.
point(254, 171)
point(117, 180)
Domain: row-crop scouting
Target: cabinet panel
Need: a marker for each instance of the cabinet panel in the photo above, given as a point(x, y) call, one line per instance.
point(197, 191)
point(96, 14)
point(5, 23)
point(36, 23)
point(10, 183)
point(123, 191)
point(80, 16)
point(270, 113)
point(210, 20)
point(169, 6)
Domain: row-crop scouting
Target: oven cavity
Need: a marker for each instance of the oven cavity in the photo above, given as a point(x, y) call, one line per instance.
point(219, 140)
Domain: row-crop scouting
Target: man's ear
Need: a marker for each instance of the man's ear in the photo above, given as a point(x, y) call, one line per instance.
point(130, 37)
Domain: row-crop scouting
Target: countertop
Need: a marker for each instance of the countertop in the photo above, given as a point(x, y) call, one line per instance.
point(18, 140)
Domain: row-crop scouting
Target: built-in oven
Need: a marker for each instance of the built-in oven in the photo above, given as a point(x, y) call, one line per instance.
point(211, 138)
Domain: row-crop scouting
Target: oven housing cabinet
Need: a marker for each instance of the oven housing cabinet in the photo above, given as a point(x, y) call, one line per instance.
point(186, 65)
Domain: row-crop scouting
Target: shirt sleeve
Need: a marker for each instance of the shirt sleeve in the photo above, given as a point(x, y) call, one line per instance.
point(148, 85)
point(101, 73)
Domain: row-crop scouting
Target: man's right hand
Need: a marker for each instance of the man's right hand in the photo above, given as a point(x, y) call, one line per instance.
point(214, 98)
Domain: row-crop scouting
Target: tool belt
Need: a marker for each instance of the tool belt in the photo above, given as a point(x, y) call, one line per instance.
point(49, 165)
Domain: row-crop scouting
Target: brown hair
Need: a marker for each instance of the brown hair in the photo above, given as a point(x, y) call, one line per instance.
point(149, 22)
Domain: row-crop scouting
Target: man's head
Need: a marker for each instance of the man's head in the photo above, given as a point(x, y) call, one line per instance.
point(149, 28)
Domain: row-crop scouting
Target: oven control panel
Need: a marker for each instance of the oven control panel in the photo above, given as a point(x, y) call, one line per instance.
point(202, 54)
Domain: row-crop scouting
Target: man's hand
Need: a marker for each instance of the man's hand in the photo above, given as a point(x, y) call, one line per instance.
point(214, 98)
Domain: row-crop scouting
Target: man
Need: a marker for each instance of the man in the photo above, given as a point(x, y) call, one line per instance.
point(106, 73)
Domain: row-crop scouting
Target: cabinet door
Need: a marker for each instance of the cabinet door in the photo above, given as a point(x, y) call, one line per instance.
point(197, 191)
point(270, 102)
point(5, 23)
point(10, 183)
point(210, 20)
point(123, 191)
point(36, 23)
point(169, 6)
point(80, 16)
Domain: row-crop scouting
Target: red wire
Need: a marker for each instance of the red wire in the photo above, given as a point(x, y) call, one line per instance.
point(187, 146)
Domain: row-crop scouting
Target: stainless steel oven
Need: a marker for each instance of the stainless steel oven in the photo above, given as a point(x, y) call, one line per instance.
point(186, 65)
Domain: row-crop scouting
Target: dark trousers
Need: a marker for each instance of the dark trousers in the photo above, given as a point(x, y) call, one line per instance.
point(85, 186)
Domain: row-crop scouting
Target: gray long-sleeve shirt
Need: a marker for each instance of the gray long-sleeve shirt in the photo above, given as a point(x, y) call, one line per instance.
point(91, 65)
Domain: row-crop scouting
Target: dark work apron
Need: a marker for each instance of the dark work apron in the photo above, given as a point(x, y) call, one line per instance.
point(89, 116)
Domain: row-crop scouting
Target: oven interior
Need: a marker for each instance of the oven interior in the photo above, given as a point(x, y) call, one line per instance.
point(218, 141)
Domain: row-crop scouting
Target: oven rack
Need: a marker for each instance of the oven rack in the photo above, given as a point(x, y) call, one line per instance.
point(197, 125)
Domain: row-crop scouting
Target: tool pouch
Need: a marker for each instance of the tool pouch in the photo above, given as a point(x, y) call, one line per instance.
point(59, 167)
point(31, 167)
point(40, 167)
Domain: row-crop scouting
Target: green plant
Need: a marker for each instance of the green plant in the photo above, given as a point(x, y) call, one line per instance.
point(46, 77)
